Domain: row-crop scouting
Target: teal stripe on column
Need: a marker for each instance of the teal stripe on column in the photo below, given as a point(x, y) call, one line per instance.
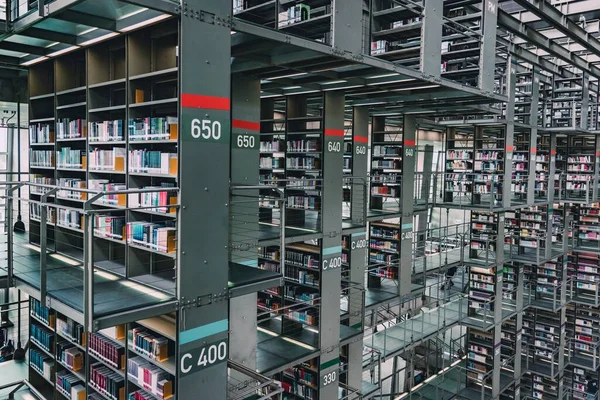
point(332, 250)
point(203, 331)
point(407, 226)
point(359, 234)
point(330, 363)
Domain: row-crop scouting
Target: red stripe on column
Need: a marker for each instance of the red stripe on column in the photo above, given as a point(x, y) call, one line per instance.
point(249, 125)
point(598, 153)
point(334, 132)
point(207, 102)
point(361, 139)
point(533, 150)
point(409, 143)
point(553, 152)
point(510, 148)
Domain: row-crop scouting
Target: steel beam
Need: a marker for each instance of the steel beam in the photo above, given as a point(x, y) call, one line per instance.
point(51, 36)
point(558, 20)
point(522, 30)
point(88, 19)
point(165, 6)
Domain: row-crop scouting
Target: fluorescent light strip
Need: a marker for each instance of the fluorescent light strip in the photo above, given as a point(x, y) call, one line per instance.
point(390, 82)
point(297, 343)
point(32, 247)
point(292, 87)
point(268, 332)
point(106, 275)
point(100, 38)
point(287, 76)
point(144, 289)
point(131, 14)
point(35, 61)
point(415, 88)
point(87, 31)
point(144, 23)
point(343, 88)
point(333, 82)
point(63, 51)
point(66, 260)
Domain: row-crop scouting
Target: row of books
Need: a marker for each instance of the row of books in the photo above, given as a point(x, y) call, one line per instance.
point(107, 351)
point(388, 164)
point(71, 129)
point(150, 377)
point(69, 218)
point(385, 232)
point(107, 160)
point(297, 258)
point(35, 212)
point(303, 182)
point(69, 355)
point(270, 162)
point(301, 275)
point(386, 245)
point(383, 258)
point(306, 317)
point(106, 131)
point(302, 163)
point(156, 128)
point(272, 146)
point(109, 226)
point(42, 363)
point(156, 236)
point(41, 180)
point(107, 382)
point(149, 344)
point(104, 185)
point(304, 202)
point(41, 133)
point(385, 191)
point(41, 312)
point(391, 151)
point(43, 338)
point(41, 158)
point(386, 272)
point(71, 330)
point(459, 154)
point(70, 158)
point(158, 200)
point(294, 14)
point(303, 145)
point(70, 386)
point(76, 183)
point(152, 162)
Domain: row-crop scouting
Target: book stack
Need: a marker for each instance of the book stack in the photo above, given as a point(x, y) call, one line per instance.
point(304, 317)
point(302, 276)
point(107, 351)
point(70, 386)
point(41, 158)
point(41, 180)
point(300, 259)
point(71, 183)
point(42, 363)
point(106, 131)
point(108, 160)
point(157, 201)
point(41, 312)
point(107, 382)
point(302, 163)
point(379, 47)
point(159, 128)
point(41, 133)
point(70, 218)
point(303, 145)
point(156, 236)
point(70, 158)
point(150, 345)
point(71, 330)
point(152, 162)
point(304, 202)
point(71, 129)
point(35, 212)
point(294, 14)
point(104, 185)
point(109, 226)
point(150, 377)
point(42, 338)
point(69, 355)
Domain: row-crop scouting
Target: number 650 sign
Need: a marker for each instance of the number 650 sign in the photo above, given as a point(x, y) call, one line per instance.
point(206, 129)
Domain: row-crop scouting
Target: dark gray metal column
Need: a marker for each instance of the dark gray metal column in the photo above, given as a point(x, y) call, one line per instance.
point(409, 134)
point(596, 181)
point(202, 273)
point(425, 187)
point(487, 60)
point(585, 101)
point(245, 143)
point(533, 117)
point(331, 277)
point(347, 26)
point(518, 329)
point(431, 38)
point(497, 330)
point(509, 134)
point(358, 241)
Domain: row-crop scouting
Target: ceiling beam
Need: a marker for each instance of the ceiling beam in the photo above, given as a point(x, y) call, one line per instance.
point(88, 19)
point(22, 48)
point(51, 36)
point(520, 29)
point(558, 20)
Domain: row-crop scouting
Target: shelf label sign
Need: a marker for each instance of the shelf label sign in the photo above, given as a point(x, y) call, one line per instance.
point(205, 118)
point(360, 145)
point(332, 258)
point(409, 150)
point(333, 140)
point(359, 241)
point(407, 233)
point(203, 357)
point(249, 138)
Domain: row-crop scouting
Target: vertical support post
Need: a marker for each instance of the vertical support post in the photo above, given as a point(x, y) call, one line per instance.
point(88, 272)
point(409, 135)
point(426, 178)
point(357, 255)
point(596, 181)
point(245, 145)
point(331, 244)
point(552, 170)
point(519, 327)
point(533, 117)
point(497, 303)
point(509, 134)
point(360, 160)
point(585, 101)
point(4, 319)
point(44, 249)
point(202, 274)
point(431, 38)
point(487, 57)
point(347, 26)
